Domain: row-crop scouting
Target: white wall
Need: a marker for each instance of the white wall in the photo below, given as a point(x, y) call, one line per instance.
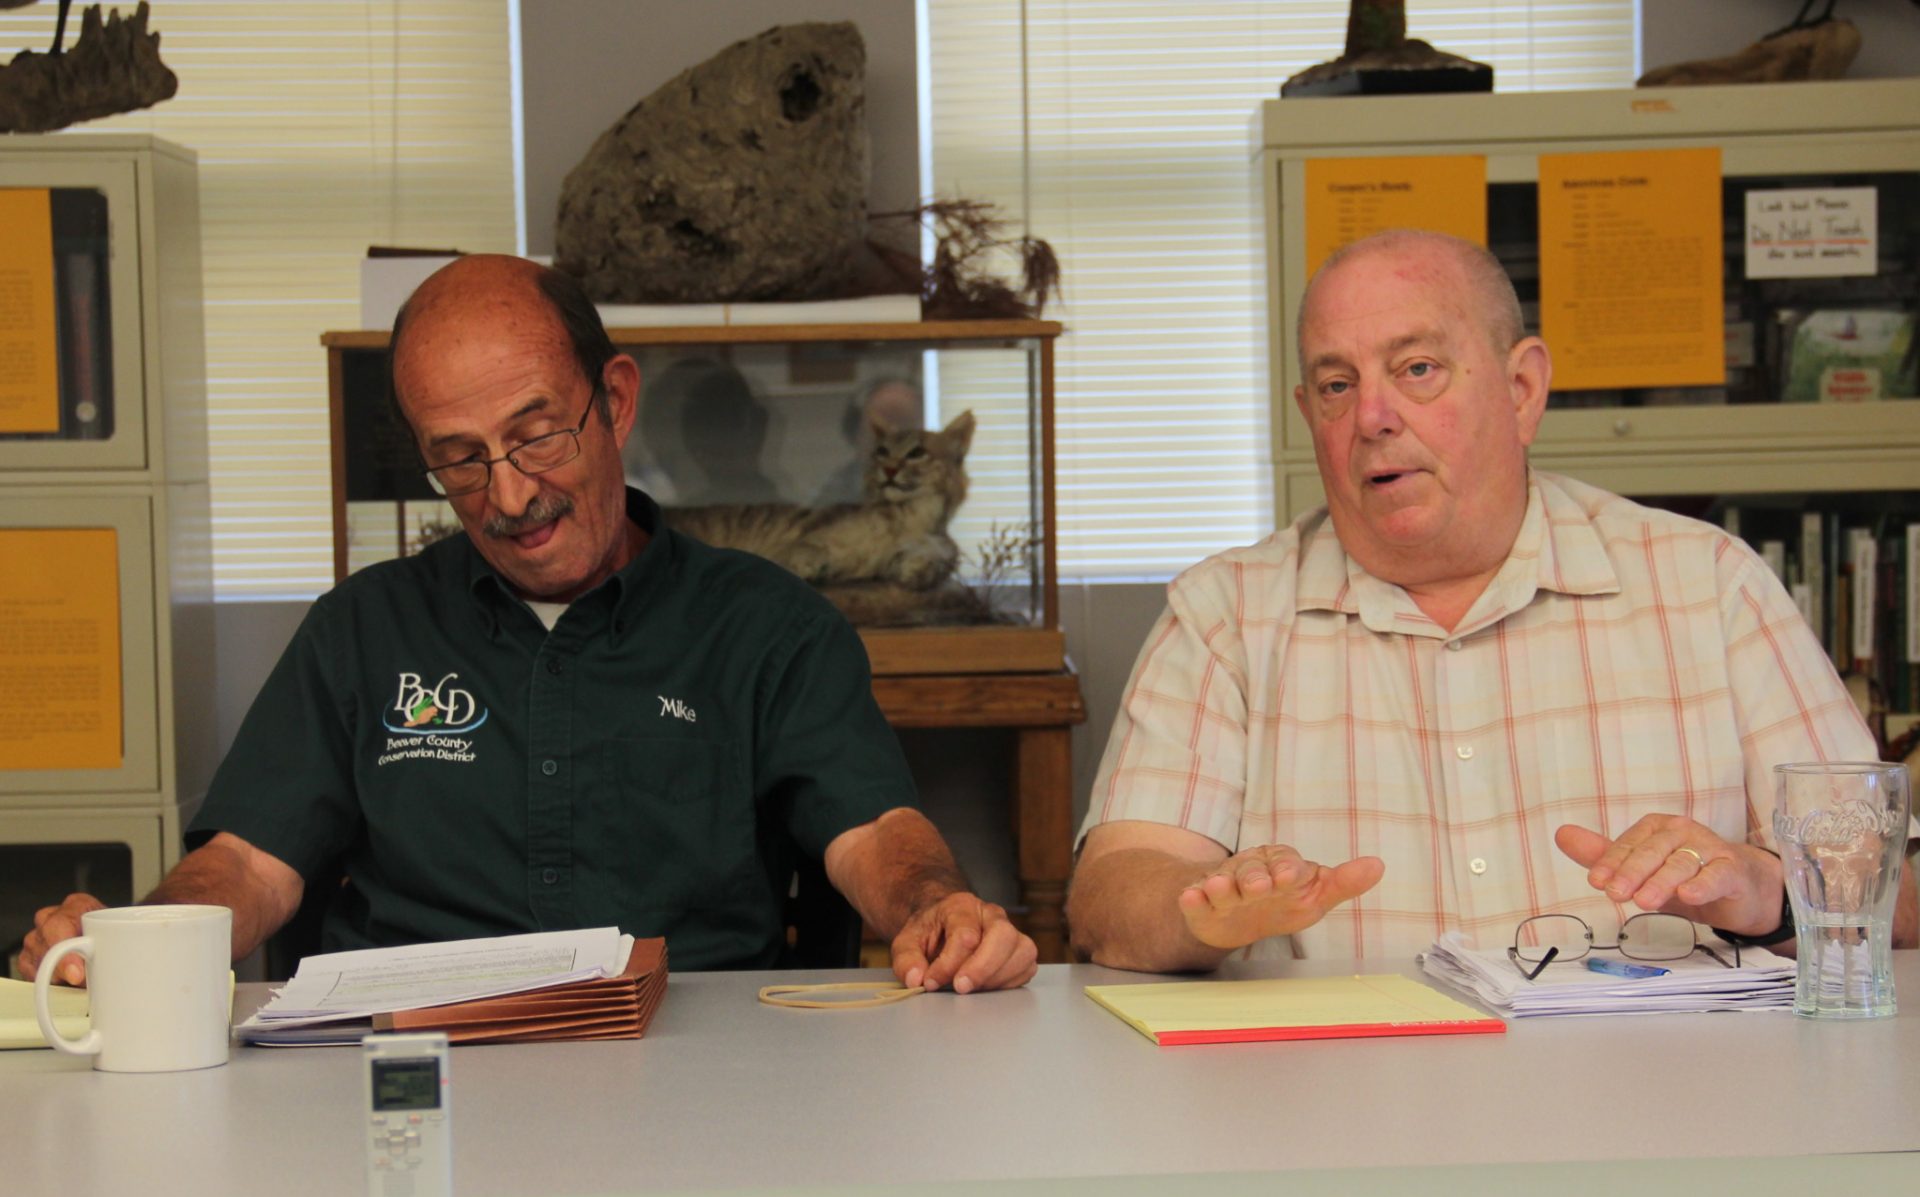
point(584, 63)
point(1681, 30)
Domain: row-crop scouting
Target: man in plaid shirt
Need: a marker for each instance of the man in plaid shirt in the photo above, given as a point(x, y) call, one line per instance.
point(1491, 691)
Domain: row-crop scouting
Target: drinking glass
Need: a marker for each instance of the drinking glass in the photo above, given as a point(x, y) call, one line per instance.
point(1842, 831)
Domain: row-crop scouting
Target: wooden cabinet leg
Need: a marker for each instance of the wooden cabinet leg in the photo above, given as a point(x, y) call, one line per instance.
point(1043, 815)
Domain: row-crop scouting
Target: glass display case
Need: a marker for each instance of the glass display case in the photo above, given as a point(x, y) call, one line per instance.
point(806, 444)
point(106, 618)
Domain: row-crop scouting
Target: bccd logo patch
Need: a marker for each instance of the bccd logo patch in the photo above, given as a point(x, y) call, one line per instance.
point(420, 709)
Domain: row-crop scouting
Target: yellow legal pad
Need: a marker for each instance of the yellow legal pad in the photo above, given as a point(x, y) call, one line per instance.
point(19, 1027)
point(1290, 1008)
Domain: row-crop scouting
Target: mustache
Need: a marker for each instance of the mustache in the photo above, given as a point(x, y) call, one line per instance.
point(543, 510)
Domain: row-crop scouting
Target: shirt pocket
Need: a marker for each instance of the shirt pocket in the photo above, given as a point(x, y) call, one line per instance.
point(676, 831)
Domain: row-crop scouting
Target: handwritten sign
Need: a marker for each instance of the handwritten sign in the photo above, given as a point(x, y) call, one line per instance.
point(1630, 266)
point(1351, 198)
point(1816, 232)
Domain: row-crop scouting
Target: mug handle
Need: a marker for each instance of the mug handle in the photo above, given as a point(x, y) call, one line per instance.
point(90, 1044)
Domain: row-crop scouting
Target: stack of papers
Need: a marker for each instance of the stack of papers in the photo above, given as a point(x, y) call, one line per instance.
point(1763, 981)
point(1177, 1012)
point(596, 984)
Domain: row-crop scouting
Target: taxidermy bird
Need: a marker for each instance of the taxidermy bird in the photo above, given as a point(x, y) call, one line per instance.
point(60, 27)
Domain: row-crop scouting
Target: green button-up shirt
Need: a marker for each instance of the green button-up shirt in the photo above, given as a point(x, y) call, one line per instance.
point(650, 763)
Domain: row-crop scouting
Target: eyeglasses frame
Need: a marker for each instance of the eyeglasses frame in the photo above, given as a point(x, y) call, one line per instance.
point(1513, 952)
point(432, 473)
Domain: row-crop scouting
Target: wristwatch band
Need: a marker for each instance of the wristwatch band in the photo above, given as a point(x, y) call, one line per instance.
point(1780, 934)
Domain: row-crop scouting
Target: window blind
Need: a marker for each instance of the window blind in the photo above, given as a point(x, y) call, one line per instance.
point(322, 128)
point(1118, 130)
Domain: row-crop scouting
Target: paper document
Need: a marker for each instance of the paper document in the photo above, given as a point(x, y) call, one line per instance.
point(344, 985)
point(1763, 981)
point(1176, 1012)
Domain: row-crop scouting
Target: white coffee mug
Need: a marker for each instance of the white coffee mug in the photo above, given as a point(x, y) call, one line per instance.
point(158, 985)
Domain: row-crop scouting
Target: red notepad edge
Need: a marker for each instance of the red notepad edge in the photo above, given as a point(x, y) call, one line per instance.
point(1364, 1030)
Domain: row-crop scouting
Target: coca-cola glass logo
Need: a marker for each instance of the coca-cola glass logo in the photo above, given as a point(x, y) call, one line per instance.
point(1845, 822)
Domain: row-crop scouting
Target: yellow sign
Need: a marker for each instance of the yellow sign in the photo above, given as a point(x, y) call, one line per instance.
point(59, 648)
point(1630, 269)
point(1351, 198)
point(29, 346)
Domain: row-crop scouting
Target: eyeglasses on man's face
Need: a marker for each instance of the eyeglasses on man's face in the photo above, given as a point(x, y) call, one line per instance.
point(1557, 938)
point(536, 456)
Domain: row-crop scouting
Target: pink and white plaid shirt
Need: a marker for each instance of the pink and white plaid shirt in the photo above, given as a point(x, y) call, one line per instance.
point(1624, 661)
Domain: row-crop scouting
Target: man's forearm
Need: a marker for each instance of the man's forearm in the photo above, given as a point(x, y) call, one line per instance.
point(1124, 912)
point(892, 868)
point(225, 872)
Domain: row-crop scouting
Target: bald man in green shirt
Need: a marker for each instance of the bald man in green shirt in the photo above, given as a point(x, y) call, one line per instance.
point(569, 716)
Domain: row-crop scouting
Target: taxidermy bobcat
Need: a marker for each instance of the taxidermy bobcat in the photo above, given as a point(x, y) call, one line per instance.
point(896, 533)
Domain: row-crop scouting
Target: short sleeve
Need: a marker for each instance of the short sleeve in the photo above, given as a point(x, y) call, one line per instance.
point(1177, 753)
point(822, 746)
point(286, 786)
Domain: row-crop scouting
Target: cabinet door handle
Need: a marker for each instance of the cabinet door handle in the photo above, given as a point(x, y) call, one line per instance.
point(1622, 427)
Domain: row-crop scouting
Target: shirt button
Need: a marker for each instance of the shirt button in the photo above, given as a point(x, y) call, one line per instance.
point(554, 666)
point(552, 875)
point(1464, 752)
point(549, 767)
point(1453, 646)
point(1477, 866)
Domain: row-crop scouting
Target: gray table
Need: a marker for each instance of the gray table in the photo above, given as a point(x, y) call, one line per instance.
point(1037, 1086)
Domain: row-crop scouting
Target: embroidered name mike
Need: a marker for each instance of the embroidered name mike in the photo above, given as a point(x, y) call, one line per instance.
point(677, 708)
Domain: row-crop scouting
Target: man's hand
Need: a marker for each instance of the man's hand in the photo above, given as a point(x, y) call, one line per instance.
point(1674, 865)
point(1270, 890)
point(964, 941)
point(51, 924)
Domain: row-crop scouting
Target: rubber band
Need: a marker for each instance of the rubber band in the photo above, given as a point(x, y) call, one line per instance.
point(885, 993)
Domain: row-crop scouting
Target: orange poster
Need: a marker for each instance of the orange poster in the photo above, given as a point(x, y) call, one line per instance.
point(1351, 198)
point(59, 648)
point(29, 347)
point(1630, 269)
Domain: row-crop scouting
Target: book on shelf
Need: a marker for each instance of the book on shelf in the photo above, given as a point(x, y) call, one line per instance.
point(1812, 529)
point(1855, 576)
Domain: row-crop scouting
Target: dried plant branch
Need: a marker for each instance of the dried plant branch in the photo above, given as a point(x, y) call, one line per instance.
point(957, 285)
point(1004, 555)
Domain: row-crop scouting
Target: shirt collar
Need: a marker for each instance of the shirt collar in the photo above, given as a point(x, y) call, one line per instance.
point(626, 589)
point(1557, 550)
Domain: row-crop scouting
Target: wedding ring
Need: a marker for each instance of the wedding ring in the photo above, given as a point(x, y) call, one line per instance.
point(1698, 859)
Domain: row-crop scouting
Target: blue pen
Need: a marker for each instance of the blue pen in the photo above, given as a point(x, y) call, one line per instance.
point(1620, 968)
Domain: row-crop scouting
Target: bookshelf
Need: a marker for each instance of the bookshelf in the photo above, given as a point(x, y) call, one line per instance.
point(1779, 438)
point(106, 623)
